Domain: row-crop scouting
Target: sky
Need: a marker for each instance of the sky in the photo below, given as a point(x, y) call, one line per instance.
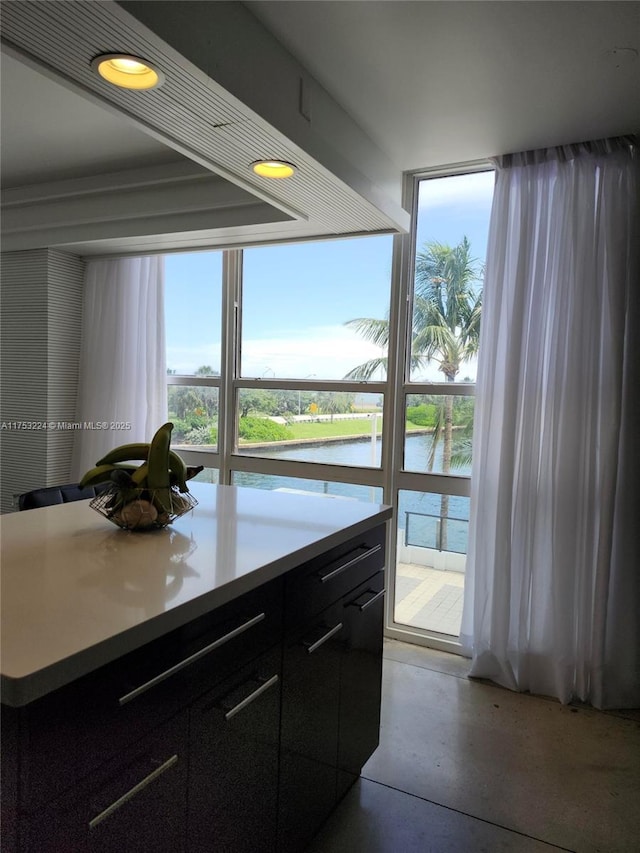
point(298, 297)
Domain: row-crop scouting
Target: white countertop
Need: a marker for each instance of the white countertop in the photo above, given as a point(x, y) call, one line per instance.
point(78, 592)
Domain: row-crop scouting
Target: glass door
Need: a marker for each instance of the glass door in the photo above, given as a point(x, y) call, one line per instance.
point(436, 408)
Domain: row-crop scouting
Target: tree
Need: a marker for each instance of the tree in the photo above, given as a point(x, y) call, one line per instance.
point(447, 307)
point(184, 401)
point(257, 400)
point(334, 403)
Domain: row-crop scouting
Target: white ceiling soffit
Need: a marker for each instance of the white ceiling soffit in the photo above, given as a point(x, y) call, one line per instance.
point(232, 95)
point(80, 176)
point(136, 210)
point(49, 133)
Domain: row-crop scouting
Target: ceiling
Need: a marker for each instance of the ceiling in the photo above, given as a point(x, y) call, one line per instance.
point(354, 93)
point(50, 133)
point(436, 83)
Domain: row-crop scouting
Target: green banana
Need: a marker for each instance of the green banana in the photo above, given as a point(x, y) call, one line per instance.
point(159, 476)
point(192, 471)
point(101, 473)
point(140, 475)
point(125, 453)
point(178, 467)
point(160, 471)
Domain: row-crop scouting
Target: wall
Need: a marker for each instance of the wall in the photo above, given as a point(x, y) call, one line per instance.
point(41, 300)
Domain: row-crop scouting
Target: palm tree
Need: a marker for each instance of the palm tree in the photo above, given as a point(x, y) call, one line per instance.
point(447, 306)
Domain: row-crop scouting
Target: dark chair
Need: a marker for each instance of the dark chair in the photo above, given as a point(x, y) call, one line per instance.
point(52, 495)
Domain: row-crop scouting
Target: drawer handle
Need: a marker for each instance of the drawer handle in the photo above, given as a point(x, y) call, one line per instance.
point(362, 607)
point(312, 648)
point(266, 685)
point(132, 793)
point(191, 659)
point(334, 572)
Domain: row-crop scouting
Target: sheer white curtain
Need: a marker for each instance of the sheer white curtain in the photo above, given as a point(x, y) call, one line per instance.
point(552, 599)
point(123, 360)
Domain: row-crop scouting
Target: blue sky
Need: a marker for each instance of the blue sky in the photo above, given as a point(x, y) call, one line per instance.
point(297, 297)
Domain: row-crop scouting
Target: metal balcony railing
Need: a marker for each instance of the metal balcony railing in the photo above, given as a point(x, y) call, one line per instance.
point(426, 530)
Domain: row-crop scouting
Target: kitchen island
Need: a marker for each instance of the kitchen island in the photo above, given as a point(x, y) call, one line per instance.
point(211, 686)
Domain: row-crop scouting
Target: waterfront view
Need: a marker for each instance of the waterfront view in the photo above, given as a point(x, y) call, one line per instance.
point(429, 582)
point(313, 366)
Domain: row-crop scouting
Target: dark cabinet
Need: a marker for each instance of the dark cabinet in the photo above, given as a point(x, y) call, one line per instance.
point(332, 674)
point(360, 680)
point(99, 765)
point(233, 773)
point(310, 720)
point(142, 806)
point(137, 803)
point(61, 826)
point(71, 733)
point(235, 733)
point(323, 581)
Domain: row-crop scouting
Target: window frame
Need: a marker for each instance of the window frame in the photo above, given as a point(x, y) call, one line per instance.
point(226, 458)
point(390, 477)
point(399, 479)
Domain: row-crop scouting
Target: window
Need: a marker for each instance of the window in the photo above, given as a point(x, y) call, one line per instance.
point(304, 406)
point(299, 302)
point(426, 447)
point(282, 374)
point(437, 408)
point(309, 387)
point(328, 427)
point(193, 312)
point(193, 323)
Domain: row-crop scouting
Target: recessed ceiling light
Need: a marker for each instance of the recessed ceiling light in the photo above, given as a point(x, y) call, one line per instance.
point(273, 168)
point(129, 72)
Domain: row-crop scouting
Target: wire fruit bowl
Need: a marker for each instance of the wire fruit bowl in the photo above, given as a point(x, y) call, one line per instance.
point(136, 509)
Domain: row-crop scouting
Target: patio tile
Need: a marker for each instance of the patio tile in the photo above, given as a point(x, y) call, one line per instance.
point(405, 586)
point(434, 604)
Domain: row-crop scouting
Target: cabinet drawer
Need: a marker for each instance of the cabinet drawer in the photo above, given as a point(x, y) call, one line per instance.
point(309, 728)
point(320, 582)
point(233, 765)
point(360, 679)
point(137, 802)
point(147, 792)
point(69, 733)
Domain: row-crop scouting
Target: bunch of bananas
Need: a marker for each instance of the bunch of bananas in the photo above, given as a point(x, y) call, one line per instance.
point(144, 495)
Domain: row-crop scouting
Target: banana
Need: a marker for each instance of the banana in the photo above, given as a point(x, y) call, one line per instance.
point(128, 480)
point(161, 470)
point(98, 475)
point(159, 476)
point(140, 475)
point(125, 453)
point(178, 467)
point(121, 477)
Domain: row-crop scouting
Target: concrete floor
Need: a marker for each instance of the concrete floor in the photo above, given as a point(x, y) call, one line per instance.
point(466, 767)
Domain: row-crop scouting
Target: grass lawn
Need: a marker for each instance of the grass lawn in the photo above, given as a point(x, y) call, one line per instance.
point(327, 429)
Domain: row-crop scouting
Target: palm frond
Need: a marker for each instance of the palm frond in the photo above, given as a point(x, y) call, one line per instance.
point(371, 329)
point(447, 306)
point(435, 342)
point(461, 454)
point(365, 372)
